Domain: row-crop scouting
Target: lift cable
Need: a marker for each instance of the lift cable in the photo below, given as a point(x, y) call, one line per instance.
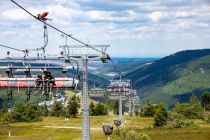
point(115, 67)
point(11, 48)
point(68, 35)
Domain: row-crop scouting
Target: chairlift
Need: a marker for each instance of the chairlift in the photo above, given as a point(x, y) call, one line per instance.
point(45, 82)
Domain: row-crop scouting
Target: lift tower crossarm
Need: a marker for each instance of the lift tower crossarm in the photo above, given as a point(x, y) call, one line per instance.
point(121, 88)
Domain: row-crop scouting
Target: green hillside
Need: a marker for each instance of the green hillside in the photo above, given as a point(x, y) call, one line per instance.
point(174, 78)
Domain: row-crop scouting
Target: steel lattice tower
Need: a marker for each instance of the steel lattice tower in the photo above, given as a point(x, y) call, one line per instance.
point(83, 53)
point(85, 105)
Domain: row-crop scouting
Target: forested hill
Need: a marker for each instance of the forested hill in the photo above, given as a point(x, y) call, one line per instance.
point(173, 78)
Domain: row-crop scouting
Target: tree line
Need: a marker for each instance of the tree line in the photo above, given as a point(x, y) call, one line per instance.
point(181, 114)
point(31, 112)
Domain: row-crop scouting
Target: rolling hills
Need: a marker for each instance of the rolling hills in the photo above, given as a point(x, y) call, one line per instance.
point(173, 78)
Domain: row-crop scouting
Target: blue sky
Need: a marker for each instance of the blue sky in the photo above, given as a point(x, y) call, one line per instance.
point(133, 28)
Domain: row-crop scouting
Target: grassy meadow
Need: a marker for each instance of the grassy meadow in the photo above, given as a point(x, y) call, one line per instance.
point(72, 129)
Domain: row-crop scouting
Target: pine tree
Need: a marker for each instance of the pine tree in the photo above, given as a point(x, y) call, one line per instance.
point(57, 109)
point(28, 112)
point(73, 106)
point(113, 105)
point(193, 100)
point(100, 109)
point(205, 101)
point(116, 107)
point(44, 110)
point(161, 115)
point(4, 109)
point(92, 109)
point(190, 110)
point(148, 110)
point(33, 112)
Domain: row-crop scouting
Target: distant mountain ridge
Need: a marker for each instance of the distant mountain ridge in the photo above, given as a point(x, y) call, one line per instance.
point(133, 59)
point(173, 78)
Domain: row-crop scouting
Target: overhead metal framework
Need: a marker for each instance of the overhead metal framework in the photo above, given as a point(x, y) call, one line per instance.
point(133, 101)
point(118, 89)
point(84, 54)
point(97, 92)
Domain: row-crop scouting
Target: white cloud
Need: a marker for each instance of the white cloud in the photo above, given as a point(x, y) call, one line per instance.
point(98, 15)
point(156, 16)
point(107, 20)
point(183, 25)
point(110, 16)
point(15, 15)
point(62, 12)
point(19, 14)
point(184, 14)
point(6, 34)
point(204, 25)
point(61, 1)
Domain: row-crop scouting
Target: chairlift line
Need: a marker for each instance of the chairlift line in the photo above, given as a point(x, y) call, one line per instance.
point(69, 35)
point(115, 66)
point(48, 82)
point(41, 18)
point(4, 46)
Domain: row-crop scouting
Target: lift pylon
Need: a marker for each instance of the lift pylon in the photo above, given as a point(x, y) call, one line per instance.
point(119, 89)
point(84, 54)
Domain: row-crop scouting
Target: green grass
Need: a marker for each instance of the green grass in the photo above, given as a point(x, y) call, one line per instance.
point(37, 131)
point(178, 134)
